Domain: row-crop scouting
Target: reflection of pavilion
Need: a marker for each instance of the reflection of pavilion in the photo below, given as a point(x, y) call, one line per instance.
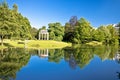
point(43, 53)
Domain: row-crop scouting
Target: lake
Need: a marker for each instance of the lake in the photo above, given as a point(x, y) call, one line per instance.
point(79, 62)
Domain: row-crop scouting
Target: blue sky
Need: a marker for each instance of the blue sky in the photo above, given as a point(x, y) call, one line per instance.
point(42, 12)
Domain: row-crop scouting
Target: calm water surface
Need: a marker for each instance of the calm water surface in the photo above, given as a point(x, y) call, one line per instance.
point(73, 63)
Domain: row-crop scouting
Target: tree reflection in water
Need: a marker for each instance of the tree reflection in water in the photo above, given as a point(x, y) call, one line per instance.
point(72, 62)
point(11, 61)
point(81, 55)
point(117, 57)
point(56, 55)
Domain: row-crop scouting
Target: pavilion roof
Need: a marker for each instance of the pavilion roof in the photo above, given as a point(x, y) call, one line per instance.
point(43, 32)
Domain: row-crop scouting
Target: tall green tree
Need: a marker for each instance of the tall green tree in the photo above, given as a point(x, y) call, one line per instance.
point(34, 33)
point(106, 34)
point(15, 7)
point(56, 31)
point(118, 30)
point(13, 24)
point(114, 34)
point(73, 20)
point(78, 31)
point(82, 32)
point(5, 30)
point(70, 29)
point(69, 32)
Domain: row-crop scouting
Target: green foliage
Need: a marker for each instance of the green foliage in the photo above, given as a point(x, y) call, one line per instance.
point(12, 24)
point(15, 7)
point(106, 34)
point(56, 31)
point(83, 32)
point(4, 4)
point(52, 35)
point(79, 33)
point(114, 34)
point(69, 33)
point(34, 33)
point(15, 26)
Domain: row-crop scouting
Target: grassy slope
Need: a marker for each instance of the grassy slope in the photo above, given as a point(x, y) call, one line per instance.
point(35, 44)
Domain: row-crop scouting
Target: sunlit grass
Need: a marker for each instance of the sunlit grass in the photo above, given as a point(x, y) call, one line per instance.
point(46, 44)
point(35, 44)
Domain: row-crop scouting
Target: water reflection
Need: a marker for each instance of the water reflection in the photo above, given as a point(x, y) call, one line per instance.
point(79, 55)
point(72, 62)
point(43, 53)
point(117, 57)
point(56, 55)
point(82, 55)
point(11, 61)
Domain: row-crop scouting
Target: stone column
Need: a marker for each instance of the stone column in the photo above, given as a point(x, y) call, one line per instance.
point(39, 36)
point(47, 36)
point(42, 37)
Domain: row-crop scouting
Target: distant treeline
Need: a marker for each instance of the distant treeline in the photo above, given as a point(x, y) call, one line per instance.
point(14, 26)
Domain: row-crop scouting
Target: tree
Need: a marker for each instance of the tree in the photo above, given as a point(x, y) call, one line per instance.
point(78, 31)
point(118, 29)
point(34, 32)
point(73, 21)
point(106, 34)
point(15, 7)
point(56, 31)
point(70, 28)
point(69, 33)
point(114, 34)
point(5, 30)
point(12, 24)
point(4, 4)
point(83, 31)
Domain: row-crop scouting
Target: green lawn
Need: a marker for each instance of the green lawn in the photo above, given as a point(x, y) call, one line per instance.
point(34, 44)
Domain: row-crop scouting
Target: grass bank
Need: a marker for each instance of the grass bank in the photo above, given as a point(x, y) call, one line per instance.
point(34, 44)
